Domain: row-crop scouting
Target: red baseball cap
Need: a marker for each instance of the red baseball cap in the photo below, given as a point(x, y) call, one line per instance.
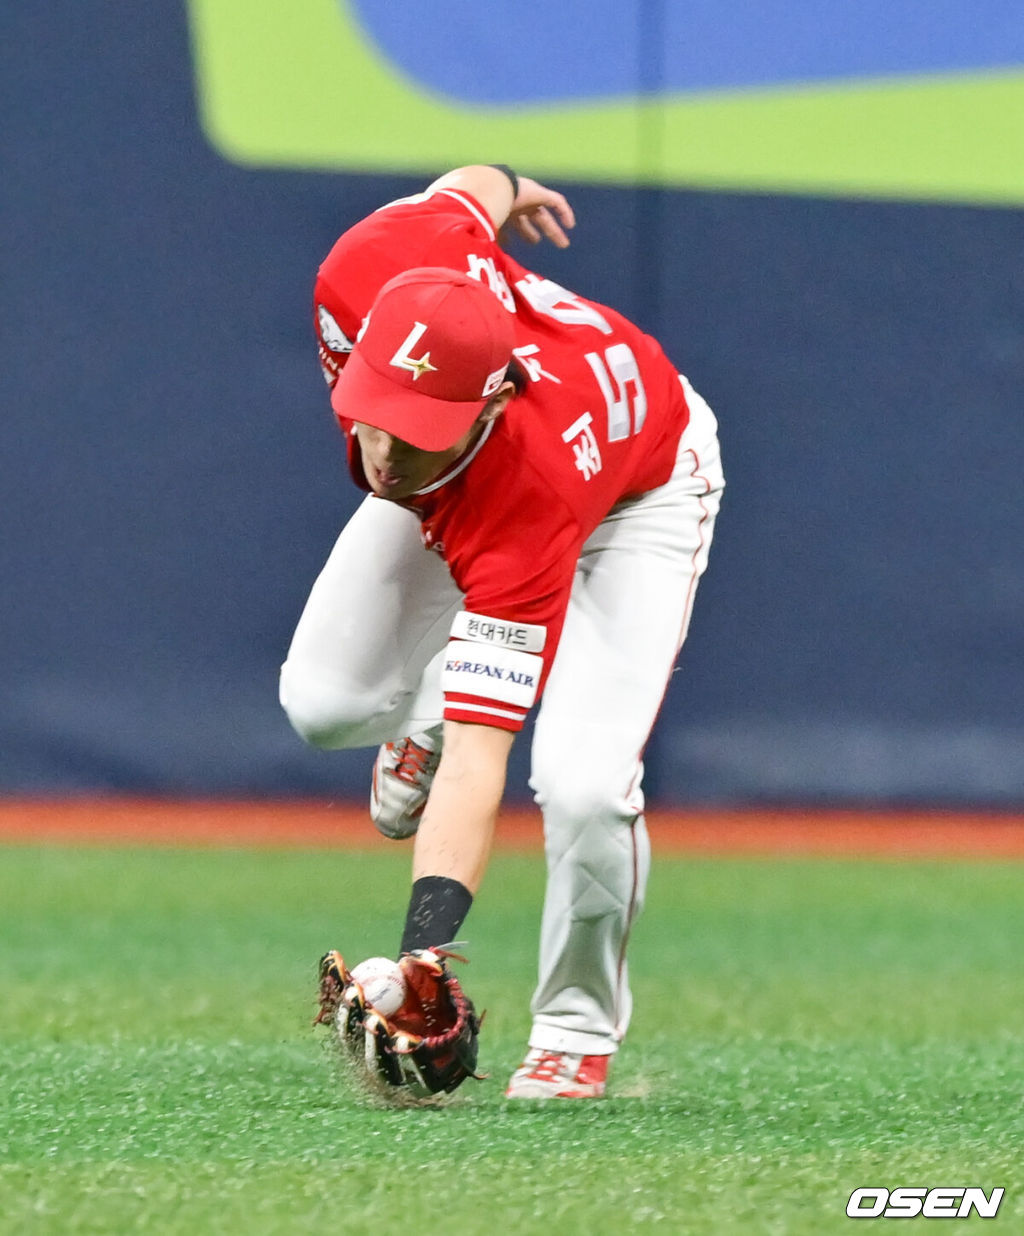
point(434, 349)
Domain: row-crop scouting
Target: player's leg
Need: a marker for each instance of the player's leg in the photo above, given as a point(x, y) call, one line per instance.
point(364, 663)
point(629, 614)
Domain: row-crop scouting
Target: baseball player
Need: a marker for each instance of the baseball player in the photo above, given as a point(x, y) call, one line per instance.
point(542, 491)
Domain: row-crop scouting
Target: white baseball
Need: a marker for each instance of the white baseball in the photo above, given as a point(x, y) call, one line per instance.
point(382, 982)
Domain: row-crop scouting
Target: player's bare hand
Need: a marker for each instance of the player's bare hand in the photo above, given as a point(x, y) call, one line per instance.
point(539, 213)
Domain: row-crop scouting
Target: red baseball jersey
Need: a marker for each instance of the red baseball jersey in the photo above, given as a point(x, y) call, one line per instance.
point(599, 421)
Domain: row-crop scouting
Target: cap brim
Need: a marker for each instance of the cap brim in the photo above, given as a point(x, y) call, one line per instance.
point(361, 395)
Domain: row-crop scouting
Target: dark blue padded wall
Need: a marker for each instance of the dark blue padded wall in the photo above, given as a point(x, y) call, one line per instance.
point(172, 478)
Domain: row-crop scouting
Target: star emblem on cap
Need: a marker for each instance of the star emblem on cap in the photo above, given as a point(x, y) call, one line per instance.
point(404, 359)
point(419, 365)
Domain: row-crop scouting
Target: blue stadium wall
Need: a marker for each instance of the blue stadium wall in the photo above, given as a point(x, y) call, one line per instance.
point(172, 478)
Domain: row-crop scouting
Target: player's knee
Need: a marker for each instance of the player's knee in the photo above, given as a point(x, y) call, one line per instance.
point(321, 713)
point(314, 719)
point(575, 803)
point(573, 797)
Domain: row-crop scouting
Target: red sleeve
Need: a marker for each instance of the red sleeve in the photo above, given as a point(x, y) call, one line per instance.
point(515, 561)
point(536, 608)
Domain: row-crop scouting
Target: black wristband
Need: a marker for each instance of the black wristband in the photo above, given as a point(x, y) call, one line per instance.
point(513, 178)
point(437, 909)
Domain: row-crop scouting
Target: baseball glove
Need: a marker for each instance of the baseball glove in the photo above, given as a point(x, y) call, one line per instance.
point(428, 1046)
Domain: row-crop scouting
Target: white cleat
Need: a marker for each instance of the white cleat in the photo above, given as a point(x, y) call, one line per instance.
point(559, 1075)
point(402, 776)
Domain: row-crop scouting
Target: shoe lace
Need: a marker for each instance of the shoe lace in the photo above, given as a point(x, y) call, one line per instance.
point(548, 1067)
point(413, 762)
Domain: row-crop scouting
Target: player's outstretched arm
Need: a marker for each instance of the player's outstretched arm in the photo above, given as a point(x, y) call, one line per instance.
point(535, 212)
point(454, 837)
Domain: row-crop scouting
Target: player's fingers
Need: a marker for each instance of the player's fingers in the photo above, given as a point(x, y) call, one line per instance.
point(560, 205)
point(550, 227)
point(526, 229)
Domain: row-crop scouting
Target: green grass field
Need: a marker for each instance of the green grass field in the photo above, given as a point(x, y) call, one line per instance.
point(802, 1028)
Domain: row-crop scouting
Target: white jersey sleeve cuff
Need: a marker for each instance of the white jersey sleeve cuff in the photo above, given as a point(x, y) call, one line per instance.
point(492, 673)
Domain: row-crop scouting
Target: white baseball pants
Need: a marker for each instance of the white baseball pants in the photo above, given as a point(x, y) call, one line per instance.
point(364, 668)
